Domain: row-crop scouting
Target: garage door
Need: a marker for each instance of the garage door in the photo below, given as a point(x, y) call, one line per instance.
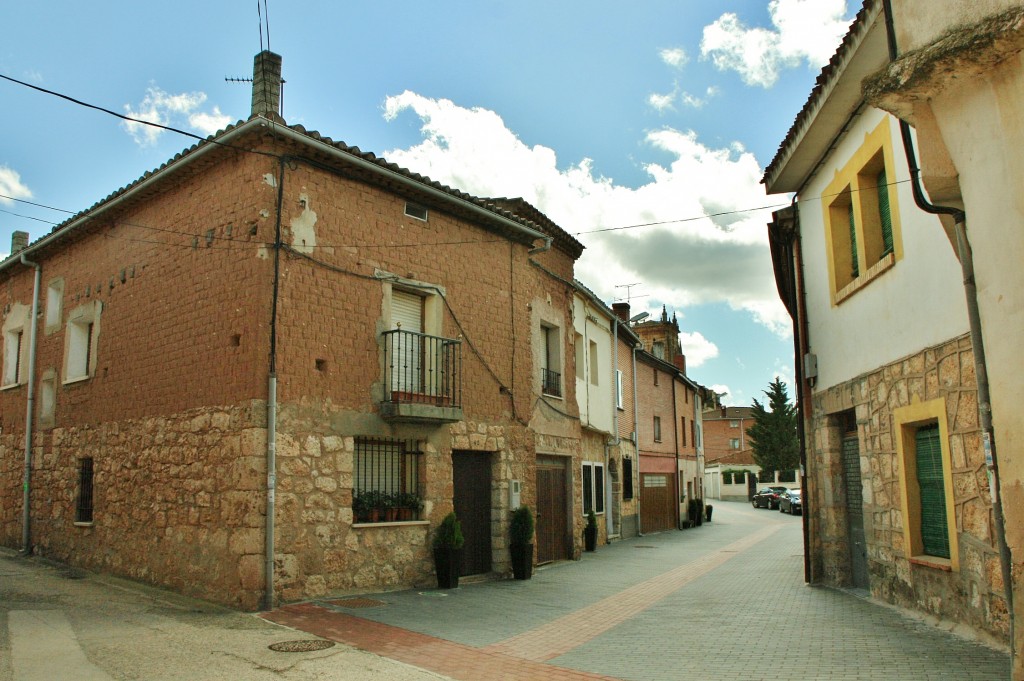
point(657, 502)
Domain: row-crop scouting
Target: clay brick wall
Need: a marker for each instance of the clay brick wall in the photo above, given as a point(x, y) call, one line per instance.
point(655, 400)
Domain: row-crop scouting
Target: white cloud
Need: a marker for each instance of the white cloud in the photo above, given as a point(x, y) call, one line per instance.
point(696, 101)
point(697, 348)
point(721, 389)
point(12, 186)
point(694, 260)
point(167, 109)
point(804, 30)
point(661, 102)
point(675, 57)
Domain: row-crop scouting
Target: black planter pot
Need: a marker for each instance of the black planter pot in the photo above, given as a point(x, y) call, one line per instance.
point(447, 562)
point(522, 560)
point(707, 513)
point(590, 537)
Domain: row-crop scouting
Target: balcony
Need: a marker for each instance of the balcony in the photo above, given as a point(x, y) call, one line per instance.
point(551, 382)
point(423, 378)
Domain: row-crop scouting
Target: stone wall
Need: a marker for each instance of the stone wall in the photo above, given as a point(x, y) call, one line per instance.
point(973, 593)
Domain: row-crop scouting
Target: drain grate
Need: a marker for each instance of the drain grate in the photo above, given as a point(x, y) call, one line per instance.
point(357, 603)
point(301, 646)
point(644, 546)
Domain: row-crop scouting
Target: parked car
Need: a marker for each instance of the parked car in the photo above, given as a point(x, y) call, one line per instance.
point(791, 502)
point(767, 497)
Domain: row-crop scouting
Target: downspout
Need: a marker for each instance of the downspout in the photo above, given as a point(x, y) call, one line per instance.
point(26, 535)
point(268, 567)
point(542, 249)
point(614, 442)
point(636, 446)
point(675, 448)
point(966, 257)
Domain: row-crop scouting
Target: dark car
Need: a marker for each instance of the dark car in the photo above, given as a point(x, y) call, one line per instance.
point(791, 502)
point(767, 497)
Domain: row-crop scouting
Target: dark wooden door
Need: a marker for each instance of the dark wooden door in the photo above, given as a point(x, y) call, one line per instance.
point(552, 522)
point(657, 502)
point(471, 475)
point(854, 511)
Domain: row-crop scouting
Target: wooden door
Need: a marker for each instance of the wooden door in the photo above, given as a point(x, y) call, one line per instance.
point(471, 475)
point(657, 502)
point(552, 522)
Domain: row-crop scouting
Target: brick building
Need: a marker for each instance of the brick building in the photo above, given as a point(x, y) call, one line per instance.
point(271, 300)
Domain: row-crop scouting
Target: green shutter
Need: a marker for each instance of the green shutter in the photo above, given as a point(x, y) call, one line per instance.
point(883, 212)
point(853, 246)
point(934, 530)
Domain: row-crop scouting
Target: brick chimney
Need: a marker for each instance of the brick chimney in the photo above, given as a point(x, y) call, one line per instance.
point(621, 310)
point(680, 362)
point(266, 84)
point(19, 242)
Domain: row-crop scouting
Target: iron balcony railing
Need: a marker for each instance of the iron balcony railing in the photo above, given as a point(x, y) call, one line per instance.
point(551, 382)
point(422, 369)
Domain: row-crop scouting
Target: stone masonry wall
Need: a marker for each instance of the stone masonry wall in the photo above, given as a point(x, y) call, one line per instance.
point(972, 595)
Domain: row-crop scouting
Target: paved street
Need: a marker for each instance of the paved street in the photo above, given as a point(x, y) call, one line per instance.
point(721, 602)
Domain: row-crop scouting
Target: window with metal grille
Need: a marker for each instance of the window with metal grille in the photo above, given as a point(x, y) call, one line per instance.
point(593, 487)
point(83, 505)
point(627, 479)
point(386, 480)
point(930, 480)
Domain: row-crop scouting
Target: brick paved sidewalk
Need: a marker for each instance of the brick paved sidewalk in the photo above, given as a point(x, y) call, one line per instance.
point(721, 602)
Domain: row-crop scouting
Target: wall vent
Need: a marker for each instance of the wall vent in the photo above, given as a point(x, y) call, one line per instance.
point(415, 210)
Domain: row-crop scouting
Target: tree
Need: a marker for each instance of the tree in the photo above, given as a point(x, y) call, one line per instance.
point(773, 436)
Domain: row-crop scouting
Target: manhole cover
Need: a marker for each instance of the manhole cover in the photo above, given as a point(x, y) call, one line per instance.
point(302, 646)
point(357, 603)
point(644, 546)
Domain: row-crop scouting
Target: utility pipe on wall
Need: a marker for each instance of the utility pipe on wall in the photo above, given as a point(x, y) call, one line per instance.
point(26, 534)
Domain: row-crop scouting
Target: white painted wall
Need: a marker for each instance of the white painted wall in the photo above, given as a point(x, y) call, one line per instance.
point(918, 303)
point(595, 393)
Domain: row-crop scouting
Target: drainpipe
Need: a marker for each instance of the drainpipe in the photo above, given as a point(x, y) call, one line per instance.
point(26, 535)
point(636, 446)
point(965, 254)
point(675, 448)
point(614, 442)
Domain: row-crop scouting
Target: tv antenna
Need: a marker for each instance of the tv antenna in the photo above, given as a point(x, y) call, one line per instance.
point(264, 19)
point(629, 295)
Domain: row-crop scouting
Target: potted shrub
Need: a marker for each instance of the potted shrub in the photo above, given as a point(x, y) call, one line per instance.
point(361, 507)
point(448, 541)
point(520, 533)
point(590, 532)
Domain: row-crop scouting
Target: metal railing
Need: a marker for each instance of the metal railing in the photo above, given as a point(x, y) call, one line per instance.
point(422, 369)
point(551, 382)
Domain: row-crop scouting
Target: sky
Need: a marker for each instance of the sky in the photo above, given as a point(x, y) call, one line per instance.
point(641, 128)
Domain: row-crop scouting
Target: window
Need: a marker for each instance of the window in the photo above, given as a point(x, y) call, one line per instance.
point(595, 371)
point(385, 480)
point(16, 331)
point(658, 350)
point(80, 342)
point(695, 434)
point(922, 445)
point(618, 389)
point(657, 429)
point(734, 443)
point(593, 487)
point(47, 398)
point(83, 505)
point(551, 376)
point(580, 359)
point(862, 218)
point(627, 479)
point(655, 377)
point(734, 424)
point(406, 361)
point(682, 429)
point(415, 210)
point(420, 365)
point(54, 305)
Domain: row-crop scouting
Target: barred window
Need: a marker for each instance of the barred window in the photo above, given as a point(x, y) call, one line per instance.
point(386, 480)
point(83, 506)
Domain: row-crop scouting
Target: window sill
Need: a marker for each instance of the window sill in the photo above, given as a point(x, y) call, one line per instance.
point(873, 272)
point(397, 523)
point(557, 397)
point(943, 564)
point(10, 386)
point(77, 379)
point(83, 524)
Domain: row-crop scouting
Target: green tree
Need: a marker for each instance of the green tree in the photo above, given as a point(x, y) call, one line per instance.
point(773, 436)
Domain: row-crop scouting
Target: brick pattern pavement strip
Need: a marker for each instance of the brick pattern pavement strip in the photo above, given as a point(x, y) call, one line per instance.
point(718, 603)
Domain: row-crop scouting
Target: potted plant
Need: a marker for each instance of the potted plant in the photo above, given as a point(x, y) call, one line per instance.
point(707, 512)
point(409, 505)
point(590, 532)
point(448, 541)
point(521, 542)
point(361, 507)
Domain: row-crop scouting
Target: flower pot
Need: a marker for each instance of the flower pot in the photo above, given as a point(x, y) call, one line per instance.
point(707, 513)
point(448, 564)
point(590, 537)
point(522, 560)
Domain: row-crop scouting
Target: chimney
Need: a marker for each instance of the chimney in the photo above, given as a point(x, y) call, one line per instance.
point(19, 242)
point(266, 84)
point(680, 362)
point(621, 310)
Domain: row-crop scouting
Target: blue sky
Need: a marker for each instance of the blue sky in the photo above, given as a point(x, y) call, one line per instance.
point(602, 114)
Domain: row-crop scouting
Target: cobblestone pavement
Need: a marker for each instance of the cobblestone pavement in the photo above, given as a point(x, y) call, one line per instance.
point(721, 602)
